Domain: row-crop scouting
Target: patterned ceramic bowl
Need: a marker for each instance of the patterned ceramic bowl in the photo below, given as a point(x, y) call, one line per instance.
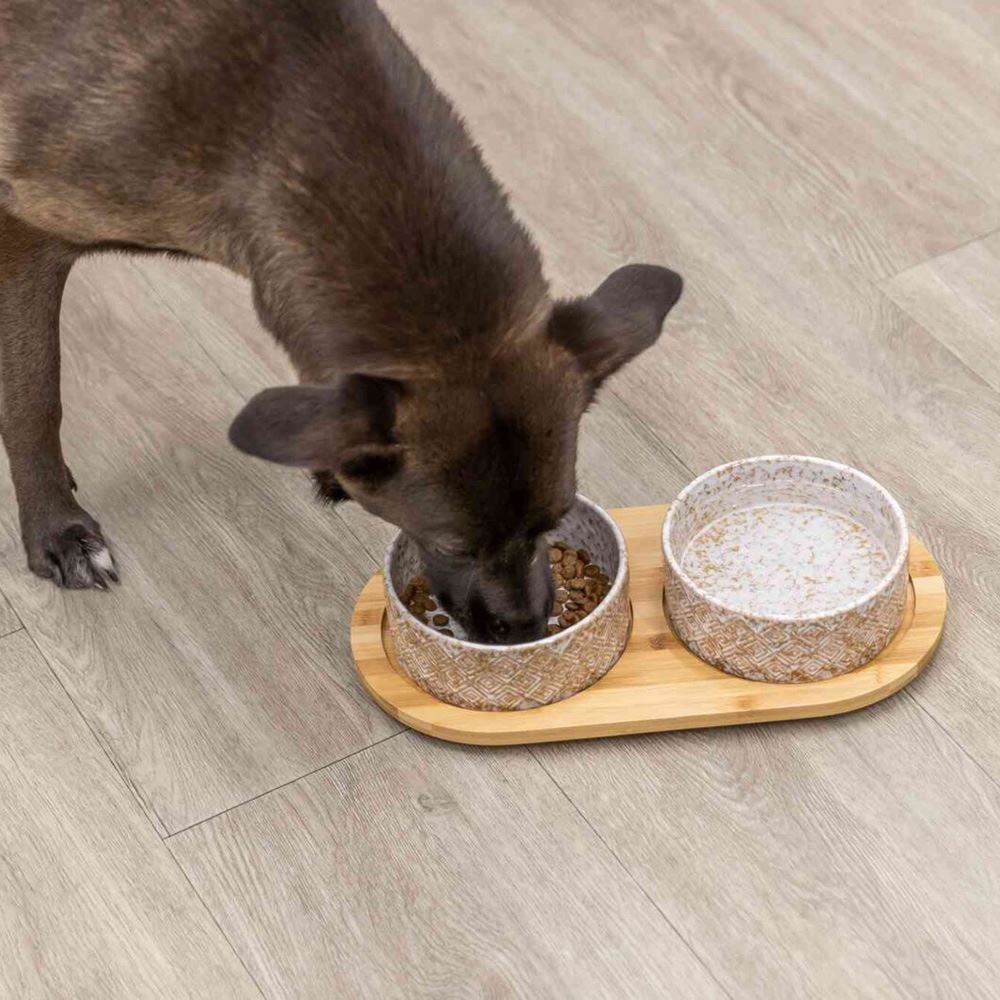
point(785, 568)
point(474, 675)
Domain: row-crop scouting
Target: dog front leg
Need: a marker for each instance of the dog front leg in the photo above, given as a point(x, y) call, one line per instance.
point(62, 541)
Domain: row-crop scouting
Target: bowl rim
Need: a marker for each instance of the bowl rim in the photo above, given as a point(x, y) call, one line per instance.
point(884, 583)
point(548, 640)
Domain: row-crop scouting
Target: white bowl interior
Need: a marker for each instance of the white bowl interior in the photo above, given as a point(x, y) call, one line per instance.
point(585, 526)
point(789, 538)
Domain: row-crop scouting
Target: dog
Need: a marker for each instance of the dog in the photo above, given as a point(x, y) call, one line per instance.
point(300, 144)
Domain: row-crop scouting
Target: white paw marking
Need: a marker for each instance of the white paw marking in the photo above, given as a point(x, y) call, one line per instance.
point(102, 560)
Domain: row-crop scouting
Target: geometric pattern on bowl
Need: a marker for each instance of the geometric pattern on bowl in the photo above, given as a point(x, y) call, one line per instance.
point(797, 647)
point(527, 675)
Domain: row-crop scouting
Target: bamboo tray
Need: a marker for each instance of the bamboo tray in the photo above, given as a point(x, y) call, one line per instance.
point(657, 684)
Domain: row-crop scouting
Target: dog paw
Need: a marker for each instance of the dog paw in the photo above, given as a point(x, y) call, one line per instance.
point(72, 554)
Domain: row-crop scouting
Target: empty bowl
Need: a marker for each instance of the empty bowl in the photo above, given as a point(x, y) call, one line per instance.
point(785, 568)
point(479, 676)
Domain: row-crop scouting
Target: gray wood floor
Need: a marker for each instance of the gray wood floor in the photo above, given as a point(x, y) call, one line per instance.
point(196, 797)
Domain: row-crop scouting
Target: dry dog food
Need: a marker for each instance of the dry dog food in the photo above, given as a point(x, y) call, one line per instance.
point(418, 600)
point(580, 586)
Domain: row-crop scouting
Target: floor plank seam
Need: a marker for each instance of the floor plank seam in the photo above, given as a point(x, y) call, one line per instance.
point(218, 926)
point(995, 782)
point(621, 864)
point(653, 440)
point(937, 340)
point(885, 279)
point(192, 335)
point(156, 294)
point(145, 808)
point(4, 600)
point(284, 784)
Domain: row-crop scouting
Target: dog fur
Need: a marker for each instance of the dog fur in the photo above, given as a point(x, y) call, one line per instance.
point(300, 144)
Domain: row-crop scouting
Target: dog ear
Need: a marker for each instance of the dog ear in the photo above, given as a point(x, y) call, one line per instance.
point(621, 319)
point(345, 428)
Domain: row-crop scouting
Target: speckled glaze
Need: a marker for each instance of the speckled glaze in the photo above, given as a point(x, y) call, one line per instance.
point(473, 675)
point(785, 568)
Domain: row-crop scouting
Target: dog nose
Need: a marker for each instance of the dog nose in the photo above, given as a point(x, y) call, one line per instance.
point(520, 629)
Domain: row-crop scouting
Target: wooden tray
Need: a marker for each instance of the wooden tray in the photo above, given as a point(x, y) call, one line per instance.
point(657, 684)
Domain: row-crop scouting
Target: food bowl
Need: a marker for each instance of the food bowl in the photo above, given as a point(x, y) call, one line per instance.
point(475, 675)
point(785, 568)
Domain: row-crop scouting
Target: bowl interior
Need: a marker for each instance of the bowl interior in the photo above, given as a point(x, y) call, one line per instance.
point(789, 538)
point(585, 526)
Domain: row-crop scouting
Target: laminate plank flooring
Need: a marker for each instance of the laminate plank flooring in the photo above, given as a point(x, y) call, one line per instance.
point(424, 869)
point(824, 178)
point(849, 858)
point(91, 902)
point(957, 298)
point(9, 622)
point(221, 666)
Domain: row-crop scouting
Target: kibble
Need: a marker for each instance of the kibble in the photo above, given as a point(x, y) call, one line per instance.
point(580, 586)
point(417, 598)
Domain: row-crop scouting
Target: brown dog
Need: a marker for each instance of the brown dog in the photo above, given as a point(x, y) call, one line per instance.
point(300, 143)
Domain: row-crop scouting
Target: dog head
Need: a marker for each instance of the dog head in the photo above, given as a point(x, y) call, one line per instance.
point(477, 462)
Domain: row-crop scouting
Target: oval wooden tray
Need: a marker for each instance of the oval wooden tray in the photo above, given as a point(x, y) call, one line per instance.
point(657, 684)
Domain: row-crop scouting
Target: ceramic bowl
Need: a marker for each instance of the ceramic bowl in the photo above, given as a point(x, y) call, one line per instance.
point(785, 568)
point(474, 675)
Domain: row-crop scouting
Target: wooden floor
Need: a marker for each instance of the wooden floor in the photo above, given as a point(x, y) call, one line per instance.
point(196, 796)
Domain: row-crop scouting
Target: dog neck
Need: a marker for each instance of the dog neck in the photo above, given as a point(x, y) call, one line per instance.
point(381, 243)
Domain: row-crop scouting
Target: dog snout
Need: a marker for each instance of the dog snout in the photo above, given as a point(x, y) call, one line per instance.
point(515, 629)
point(502, 625)
point(512, 605)
point(500, 601)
